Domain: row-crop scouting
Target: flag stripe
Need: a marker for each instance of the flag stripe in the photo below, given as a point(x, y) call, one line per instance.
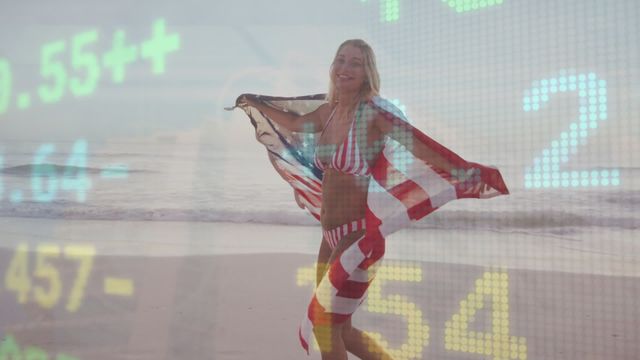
point(402, 189)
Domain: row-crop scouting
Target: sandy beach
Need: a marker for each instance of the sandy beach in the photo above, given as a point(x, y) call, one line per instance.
point(145, 216)
point(195, 291)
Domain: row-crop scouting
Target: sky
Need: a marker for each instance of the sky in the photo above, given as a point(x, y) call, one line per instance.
point(462, 77)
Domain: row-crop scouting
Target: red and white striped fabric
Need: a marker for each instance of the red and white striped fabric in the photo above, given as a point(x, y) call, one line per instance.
point(402, 189)
point(333, 236)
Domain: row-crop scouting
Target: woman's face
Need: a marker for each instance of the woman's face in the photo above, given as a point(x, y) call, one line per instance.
point(347, 70)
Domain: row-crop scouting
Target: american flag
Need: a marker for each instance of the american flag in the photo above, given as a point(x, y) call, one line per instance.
point(402, 189)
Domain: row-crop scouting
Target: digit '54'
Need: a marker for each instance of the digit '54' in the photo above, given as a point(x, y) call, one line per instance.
point(498, 343)
point(417, 329)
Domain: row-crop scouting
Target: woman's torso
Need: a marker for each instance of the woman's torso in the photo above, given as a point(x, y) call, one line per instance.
point(344, 194)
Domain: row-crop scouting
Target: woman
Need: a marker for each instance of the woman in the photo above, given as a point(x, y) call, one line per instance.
point(354, 125)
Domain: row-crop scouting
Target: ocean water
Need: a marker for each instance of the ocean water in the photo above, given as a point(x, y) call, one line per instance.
point(176, 181)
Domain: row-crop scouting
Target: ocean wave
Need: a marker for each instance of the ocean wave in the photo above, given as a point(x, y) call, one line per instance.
point(629, 199)
point(555, 221)
point(27, 170)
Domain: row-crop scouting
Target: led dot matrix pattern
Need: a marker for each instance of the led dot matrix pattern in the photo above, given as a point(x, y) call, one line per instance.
point(391, 305)
point(10, 349)
point(58, 75)
point(400, 106)
point(498, 344)
point(398, 305)
point(390, 9)
point(401, 158)
point(470, 5)
point(592, 93)
point(467, 178)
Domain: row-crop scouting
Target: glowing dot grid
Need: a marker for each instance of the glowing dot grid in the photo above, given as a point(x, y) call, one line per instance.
point(390, 9)
point(592, 93)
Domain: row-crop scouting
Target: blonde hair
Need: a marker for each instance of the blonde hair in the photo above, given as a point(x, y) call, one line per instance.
point(371, 86)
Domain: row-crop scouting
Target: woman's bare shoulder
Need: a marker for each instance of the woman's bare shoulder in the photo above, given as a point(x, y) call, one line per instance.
point(323, 112)
point(317, 118)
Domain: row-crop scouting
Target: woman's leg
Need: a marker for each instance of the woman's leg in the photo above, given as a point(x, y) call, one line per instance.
point(329, 337)
point(362, 345)
point(337, 339)
point(330, 341)
point(323, 260)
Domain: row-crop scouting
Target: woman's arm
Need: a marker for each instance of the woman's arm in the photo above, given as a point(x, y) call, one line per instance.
point(311, 122)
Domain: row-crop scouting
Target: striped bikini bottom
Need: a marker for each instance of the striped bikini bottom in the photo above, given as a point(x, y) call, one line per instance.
point(333, 236)
point(343, 287)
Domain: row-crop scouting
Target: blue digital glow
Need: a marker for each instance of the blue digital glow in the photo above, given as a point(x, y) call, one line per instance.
point(48, 178)
point(400, 106)
point(40, 170)
point(401, 157)
point(75, 173)
point(16, 196)
point(591, 109)
point(115, 171)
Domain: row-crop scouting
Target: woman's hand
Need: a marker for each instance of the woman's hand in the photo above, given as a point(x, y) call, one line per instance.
point(245, 100)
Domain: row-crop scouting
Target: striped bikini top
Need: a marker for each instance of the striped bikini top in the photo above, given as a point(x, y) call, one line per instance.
point(347, 159)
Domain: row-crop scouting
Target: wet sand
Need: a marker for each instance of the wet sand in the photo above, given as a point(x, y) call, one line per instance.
point(247, 306)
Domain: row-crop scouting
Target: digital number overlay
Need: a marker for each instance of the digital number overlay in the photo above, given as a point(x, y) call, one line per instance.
point(592, 93)
point(10, 349)
point(34, 276)
point(58, 286)
point(81, 77)
point(47, 179)
point(490, 294)
point(390, 9)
